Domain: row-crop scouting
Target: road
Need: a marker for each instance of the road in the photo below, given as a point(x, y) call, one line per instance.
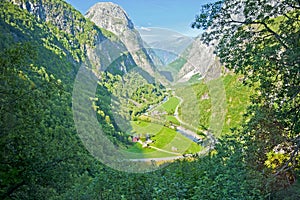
point(180, 129)
point(158, 149)
point(188, 134)
point(156, 159)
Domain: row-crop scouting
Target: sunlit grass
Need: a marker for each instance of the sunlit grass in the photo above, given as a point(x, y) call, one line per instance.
point(172, 119)
point(197, 103)
point(171, 105)
point(164, 138)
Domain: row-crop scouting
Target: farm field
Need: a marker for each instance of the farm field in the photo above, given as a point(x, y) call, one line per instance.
point(170, 142)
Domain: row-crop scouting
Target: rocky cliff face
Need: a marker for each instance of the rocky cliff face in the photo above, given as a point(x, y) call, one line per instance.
point(182, 56)
point(60, 14)
point(200, 60)
point(100, 47)
point(113, 18)
point(123, 48)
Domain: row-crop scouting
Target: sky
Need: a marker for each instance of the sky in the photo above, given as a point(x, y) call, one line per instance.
point(176, 15)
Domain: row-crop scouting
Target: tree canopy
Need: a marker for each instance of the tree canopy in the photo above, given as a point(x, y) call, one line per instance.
point(42, 156)
point(261, 40)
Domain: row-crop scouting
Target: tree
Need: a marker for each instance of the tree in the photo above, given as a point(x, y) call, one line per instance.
point(37, 140)
point(260, 39)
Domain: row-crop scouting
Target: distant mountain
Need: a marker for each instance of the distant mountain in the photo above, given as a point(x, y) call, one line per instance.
point(113, 18)
point(116, 46)
point(183, 58)
point(167, 44)
point(199, 61)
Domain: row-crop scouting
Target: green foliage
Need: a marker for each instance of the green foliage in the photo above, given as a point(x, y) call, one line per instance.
point(13, 20)
point(35, 141)
point(171, 105)
point(41, 154)
point(290, 193)
point(122, 99)
point(264, 47)
point(109, 34)
point(132, 93)
point(237, 100)
point(224, 175)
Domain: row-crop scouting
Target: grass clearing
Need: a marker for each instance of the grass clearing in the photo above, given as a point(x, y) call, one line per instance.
point(172, 119)
point(171, 105)
point(165, 138)
point(137, 152)
point(142, 128)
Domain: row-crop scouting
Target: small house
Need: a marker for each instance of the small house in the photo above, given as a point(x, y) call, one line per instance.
point(135, 139)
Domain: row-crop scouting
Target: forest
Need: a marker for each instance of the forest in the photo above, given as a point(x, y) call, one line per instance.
point(254, 155)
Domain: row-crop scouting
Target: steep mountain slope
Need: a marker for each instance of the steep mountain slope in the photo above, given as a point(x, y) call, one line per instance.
point(43, 44)
point(88, 42)
point(200, 60)
point(197, 61)
point(39, 145)
point(113, 18)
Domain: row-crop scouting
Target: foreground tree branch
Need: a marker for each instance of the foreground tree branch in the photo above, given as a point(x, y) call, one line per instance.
point(259, 40)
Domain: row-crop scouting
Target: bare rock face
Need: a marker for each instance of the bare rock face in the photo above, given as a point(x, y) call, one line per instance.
point(101, 50)
point(113, 18)
point(200, 60)
point(110, 16)
point(51, 12)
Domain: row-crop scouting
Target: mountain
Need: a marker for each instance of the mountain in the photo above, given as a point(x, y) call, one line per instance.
point(183, 57)
point(113, 18)
point(186, 60)
point(43, 44)
point(201, 61)
point(101, 47)
point(167, 44)
point(161, 49)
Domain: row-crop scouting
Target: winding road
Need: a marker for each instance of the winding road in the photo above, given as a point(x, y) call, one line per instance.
point(188, 134)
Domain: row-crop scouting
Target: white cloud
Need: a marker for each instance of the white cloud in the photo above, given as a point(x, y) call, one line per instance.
point(145, 29)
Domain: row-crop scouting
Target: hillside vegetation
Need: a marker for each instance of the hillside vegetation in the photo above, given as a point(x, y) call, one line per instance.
point(198, 95)
point(43, 157)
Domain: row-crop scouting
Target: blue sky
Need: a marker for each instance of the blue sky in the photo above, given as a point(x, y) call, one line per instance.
point(176, 15)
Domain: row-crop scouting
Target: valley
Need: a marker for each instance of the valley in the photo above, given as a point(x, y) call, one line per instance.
point(99, 104)
point(162, 122)
point(168, 137)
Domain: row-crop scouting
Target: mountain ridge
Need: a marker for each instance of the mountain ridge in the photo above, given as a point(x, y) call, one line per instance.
point(113, 18)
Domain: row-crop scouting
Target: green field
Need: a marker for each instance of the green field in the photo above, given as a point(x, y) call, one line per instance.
point(143, 128)
point(171, 105)
point(168, 108)
point(172, 119)
point(165, 138)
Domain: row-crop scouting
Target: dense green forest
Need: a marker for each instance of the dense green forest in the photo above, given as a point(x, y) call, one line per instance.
point(43, 157)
